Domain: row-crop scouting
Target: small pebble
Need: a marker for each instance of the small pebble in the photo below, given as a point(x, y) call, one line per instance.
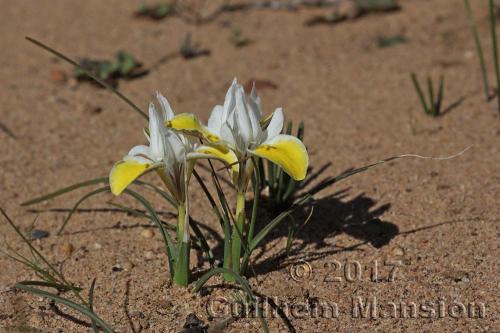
point(398, 251)
point(58, 76)
point(136, 314)
point(97, 246)
point(72, 83)
point(127, 265)
point(117, 268)
point(38, 234)
point(149, 255)
point(147, 233)
point(66, 249)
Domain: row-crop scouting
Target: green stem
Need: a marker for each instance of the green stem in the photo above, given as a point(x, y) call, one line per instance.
point(181, 271)
point(238, 231)
point(495, 49)
point(228, 256)
point(479, 49)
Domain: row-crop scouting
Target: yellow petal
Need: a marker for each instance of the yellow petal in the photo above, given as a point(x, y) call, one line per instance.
point(220, 153)
point(288, 152)
point(190, 124)
point(124, 173)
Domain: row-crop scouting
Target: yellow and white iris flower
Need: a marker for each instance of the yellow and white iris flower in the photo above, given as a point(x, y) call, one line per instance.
point(239, 126)
point(170, 153)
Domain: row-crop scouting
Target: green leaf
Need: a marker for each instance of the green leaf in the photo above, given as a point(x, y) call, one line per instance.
point(95, 181)
point(156, 189)
point(77, 204)
point(439, 99)
point(91, 305)
point(432, 102)
point(65, 190)
point(58, 286)
point(388, 41)
point(169, 244)
point(419, 92)
point(32, 248)
point(209, 197)
point(126, 63)
point(479, 49)
point(75, 306)
point(203, 242)
point(277, 220)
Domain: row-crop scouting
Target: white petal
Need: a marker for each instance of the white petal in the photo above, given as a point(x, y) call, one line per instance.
point(227, 135)
point(255, 123)
point(276, 124)
point(174, 149)
point(243, 123)
point(229, 101)
point(215, 120)
point(155, 133)
point(140, 150)
point(255, 102)
point(165, 106)
point(138, 159)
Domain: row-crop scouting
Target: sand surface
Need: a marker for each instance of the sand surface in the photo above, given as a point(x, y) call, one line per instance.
point(437, 222)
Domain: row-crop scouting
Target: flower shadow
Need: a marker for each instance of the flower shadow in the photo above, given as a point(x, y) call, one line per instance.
point(332, 215)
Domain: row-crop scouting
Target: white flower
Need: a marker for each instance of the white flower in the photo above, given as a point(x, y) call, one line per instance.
point(172, 154)
point(238, 125)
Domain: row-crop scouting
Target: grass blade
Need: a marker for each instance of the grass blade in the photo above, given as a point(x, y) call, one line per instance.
point(203, 242)
point(75, 306)
point(32, 248)
point(419, 92)
point(91, 304)
point(58, 286)
point(209, 196)
point(432, 102)
point(89, 74)
point(328, 182)
point(65, 190)
point(479, 49)
point(139, 213)
point(495, 49)
point(277, 220)
point(156, 189)
point(169, 244)
point(439, 100)
point(77, 204)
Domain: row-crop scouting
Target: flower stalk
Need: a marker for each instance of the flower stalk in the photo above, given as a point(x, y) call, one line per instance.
point(238, 230)
point(181, 270)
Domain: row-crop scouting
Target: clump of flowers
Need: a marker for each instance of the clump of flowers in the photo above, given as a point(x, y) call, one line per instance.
point(236, 134)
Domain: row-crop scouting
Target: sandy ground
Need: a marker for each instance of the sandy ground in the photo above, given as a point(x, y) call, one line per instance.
point(435, 221)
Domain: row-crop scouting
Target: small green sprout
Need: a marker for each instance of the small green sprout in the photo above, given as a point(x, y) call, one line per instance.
point(388, 41)
point(125, 66)
point(433, 108)
point(155, 12)
point(237, 38)
point(367, 6)
point(51, 277)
